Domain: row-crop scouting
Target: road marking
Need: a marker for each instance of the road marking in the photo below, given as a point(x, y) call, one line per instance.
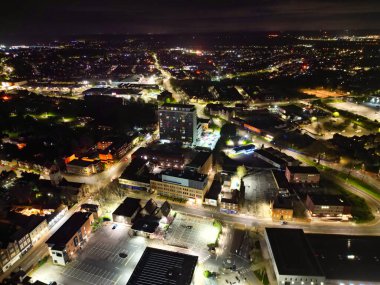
point(129, 258)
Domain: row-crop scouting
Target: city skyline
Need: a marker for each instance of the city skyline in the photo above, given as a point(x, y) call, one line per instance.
point(29, 20)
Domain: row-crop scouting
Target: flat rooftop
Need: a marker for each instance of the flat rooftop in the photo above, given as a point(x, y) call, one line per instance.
point(343, 257)
point(179, 107)
point(68, 229)
point(191, 175)
point(330, 200)
point(292, 252)
point(214, 191)
point(270, 156)
point(200, 159)
point(158, 267)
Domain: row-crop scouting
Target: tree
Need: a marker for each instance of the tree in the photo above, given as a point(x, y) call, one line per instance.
point(241, 171)
point(207, 274)
point(228, 130)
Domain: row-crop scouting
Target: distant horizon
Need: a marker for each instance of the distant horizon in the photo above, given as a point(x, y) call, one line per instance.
point(34, 39)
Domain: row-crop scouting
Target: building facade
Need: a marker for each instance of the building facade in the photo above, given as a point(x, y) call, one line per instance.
point(320, 205)
point(70, 237)
point(178, 122)
point(183, 185)
point(302, 174)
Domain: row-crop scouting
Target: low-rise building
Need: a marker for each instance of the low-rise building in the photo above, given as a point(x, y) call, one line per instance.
point(212, 196)
point(157, 267)
point(70, 237)
point(201, 163)
point(136, 176)
point(319, 259)
point(292, 257)
point(14, 242)
point(282, 209)
point(91, 208)
point(302, 174)
point(181, 184)
point(84, 167)
point(275, 158)
point(127, 211)
point(229, 202)
point(321, 205)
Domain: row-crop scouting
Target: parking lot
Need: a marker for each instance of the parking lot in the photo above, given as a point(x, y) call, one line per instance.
point(208, 139)
point(259, 188)
point(99, 262)
point(191, 232)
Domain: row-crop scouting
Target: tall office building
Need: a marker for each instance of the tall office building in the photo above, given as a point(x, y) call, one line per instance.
point(178, 122)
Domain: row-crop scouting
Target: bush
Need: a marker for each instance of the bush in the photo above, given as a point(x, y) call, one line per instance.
point(207, 274)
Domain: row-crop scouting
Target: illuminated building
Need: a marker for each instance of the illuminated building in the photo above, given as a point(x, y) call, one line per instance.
point(178, 122)
point(84, 167)
point(327, 205)
point(282, 209)
point(181, 184)
point(69, 238)
point(302, 174)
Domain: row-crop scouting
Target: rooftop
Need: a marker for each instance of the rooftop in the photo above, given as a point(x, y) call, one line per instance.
point(128, 207)
point(342, 257)
point(329, 200)
point(200, 159)
point(303, 169)
point(81, 163)
point(157, 267)
point(282, 203)
point(292, 252)
point(214, 191)
point(68, 229)
point(191, 175)
point(270, 156)
point(182, 107)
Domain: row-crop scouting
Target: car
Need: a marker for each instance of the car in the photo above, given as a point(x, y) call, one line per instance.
point(284, 223)
point(189, 227)
point(114, 226)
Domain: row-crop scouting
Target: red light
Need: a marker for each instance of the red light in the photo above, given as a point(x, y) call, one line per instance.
point(198, 72)
point(6, 98)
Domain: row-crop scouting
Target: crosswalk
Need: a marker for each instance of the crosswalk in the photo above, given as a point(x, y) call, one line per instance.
point(204, 259)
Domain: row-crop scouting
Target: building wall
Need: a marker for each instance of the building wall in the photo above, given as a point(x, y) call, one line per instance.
point(38, 231)
point(9, 255)
point(271, 162)
point(177, 125)
point(326, 210)
point(61, 257)
point(282, 214)
point(134, 185)
point(177, 191)
point(81, 170)
point(302, 177)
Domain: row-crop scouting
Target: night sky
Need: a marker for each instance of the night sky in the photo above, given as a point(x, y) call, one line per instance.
point(26, 18)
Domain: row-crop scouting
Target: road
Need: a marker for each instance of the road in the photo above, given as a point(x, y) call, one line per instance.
point(166, 81)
